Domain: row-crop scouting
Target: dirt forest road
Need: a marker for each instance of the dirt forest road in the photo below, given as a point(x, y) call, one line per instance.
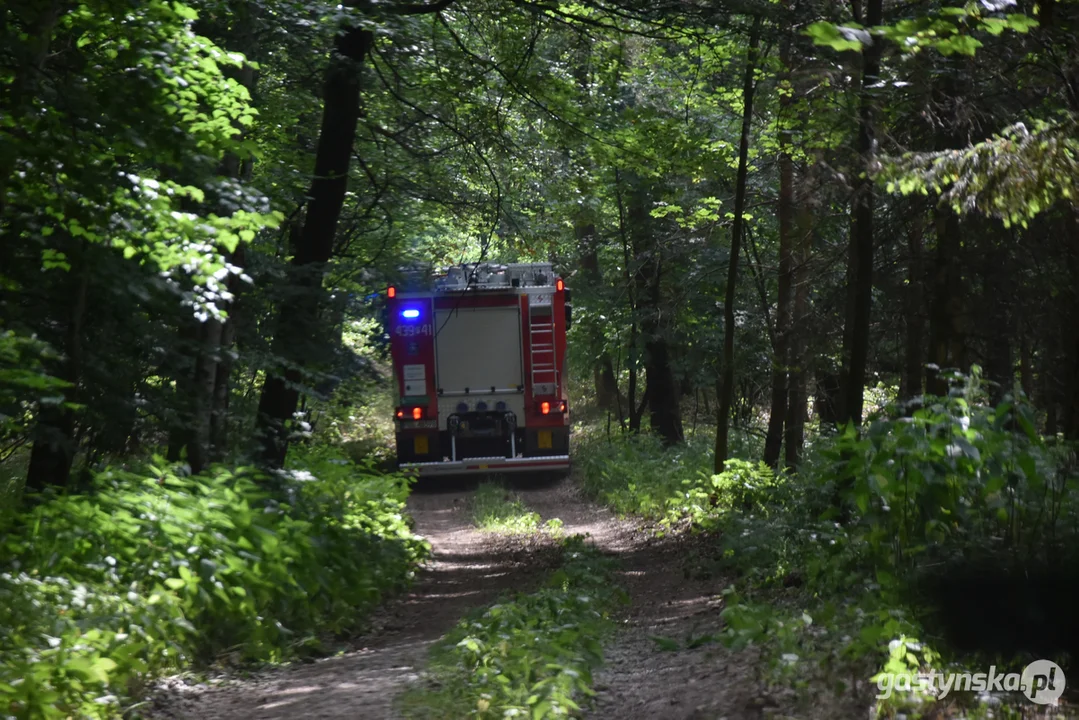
point(471, 569)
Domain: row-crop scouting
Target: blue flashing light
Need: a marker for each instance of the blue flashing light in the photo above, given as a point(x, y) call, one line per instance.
point(410, 314)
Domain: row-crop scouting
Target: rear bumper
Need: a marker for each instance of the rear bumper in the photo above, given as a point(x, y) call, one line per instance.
point(471, 466)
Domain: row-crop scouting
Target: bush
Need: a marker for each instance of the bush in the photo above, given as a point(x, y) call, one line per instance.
point(877, 538)
point(153, 570)
point(954, 478)
point(636, 474)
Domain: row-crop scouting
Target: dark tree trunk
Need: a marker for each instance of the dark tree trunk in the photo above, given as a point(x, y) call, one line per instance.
point(826, 402)
point(636, 410)
point(661, 393)
point(628, 278)
point(1048, 389)
point(204, 385)
point(860, 302)
point(1071, 397)
point(996, 296)
point(39, 18)
point(664, 397)
point(1026, 360)
point(219, 416)
point(298, 317)
point(180, 366)
point(913, 354)
point(797, 397)
point(947, 347)
point(53, 451)
point(781, 359)
point(726, 385)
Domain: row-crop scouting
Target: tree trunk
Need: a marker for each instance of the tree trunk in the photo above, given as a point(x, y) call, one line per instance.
point(204, 386)
point(298, 316)
point(39, 18)
point(910, 385)
point(628, 279)
point(1071, 397)
point(947, 347)
point(781, 360)
point(860, 303)
point(209, 387)
point(726, 386)
point(1026, 359)
point(797, 396)
point(996, 295)
point(219, 414)
point(1047, 383)
point(664, 397)
point(54, 447)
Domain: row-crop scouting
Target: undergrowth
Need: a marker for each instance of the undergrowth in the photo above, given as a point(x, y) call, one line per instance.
point(530, 656)
point(857, 563)
point(153, 570)
point(497, 509)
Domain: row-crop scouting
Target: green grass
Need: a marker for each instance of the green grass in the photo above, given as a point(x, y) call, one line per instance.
point(530, 656)
point(496, 509)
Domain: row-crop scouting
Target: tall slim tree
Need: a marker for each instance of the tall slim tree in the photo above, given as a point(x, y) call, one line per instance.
point(298, 316)
point(781, 360)
point(860, 259)
point(726, 385)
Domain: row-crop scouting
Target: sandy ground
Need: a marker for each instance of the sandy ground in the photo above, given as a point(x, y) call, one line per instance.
point(470, 569)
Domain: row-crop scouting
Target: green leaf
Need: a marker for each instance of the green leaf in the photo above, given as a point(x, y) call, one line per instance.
point(666, 644)
point(829, 35)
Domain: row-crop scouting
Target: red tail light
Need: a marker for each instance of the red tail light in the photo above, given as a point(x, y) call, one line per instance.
point(415, 413)
point(559, 285)
point(391, 292)
point(551, 408)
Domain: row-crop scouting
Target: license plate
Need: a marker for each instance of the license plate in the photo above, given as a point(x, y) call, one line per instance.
point(545, 439)
point(419, 445)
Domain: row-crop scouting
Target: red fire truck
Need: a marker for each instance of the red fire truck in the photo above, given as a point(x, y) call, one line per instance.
point(479, 365)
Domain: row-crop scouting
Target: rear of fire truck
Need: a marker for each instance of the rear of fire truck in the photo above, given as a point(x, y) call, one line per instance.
point(479, 364)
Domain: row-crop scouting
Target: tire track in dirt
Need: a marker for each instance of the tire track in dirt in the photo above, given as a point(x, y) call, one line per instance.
point(468, 569)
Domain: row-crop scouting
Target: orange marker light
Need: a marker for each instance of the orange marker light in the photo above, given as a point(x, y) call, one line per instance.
point(562, 406)
point(400, 413)
point(417, 413)
point(391, 292)
point(559, 285)
point(545, 407)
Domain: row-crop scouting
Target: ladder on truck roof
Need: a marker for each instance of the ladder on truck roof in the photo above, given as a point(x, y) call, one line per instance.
point(542, 354)
point(483, 276)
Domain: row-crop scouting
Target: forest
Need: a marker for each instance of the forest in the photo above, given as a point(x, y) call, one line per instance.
point(824, 359)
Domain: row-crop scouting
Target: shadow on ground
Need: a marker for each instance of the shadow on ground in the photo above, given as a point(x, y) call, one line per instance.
point(471, 569)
